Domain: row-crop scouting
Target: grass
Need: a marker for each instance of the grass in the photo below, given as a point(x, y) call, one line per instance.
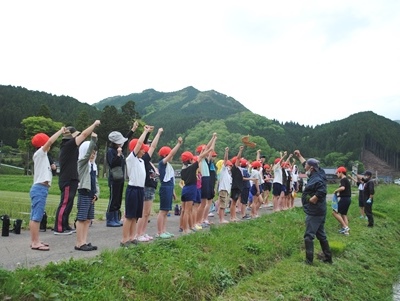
point(260, 259)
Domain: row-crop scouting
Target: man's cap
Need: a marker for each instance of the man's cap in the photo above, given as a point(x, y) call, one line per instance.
point(228, 163)
point(70, 132)
point(313, 162)
point(117, 138)
point(341, 169)
point(213, 154)
point(277, 160)
point(256, 164)
point(243, 162)
point(368, 173)
point(266, 166)
point(186, 156)
point(39, 140)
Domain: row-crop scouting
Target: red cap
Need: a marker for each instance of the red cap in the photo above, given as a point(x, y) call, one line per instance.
point(39, 140)
point(164, 151)
point(341, 169)
point(186, 156)
point(195, 158)
point(266, 166)
point(228, 162)
point(256, 164)
point(277, 160)
point(213, 154)
point(233, 160)
point(145, 147)
point(132, 145)
point(243, 162)
point(200, 148)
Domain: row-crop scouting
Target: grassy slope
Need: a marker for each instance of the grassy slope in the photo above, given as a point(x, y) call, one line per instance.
point(256, 260)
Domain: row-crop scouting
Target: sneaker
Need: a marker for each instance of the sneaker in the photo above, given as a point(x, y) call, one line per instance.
point(65, 232)
point(164, 236)
point(149, 237)
point(180, 230)
point(246, 217)
point(70, 229)
point(211, 214)
point(344, 230)
point(170, 234)
point(198, 227)
point(125, 244)
point(204, 225)
point(142, 239)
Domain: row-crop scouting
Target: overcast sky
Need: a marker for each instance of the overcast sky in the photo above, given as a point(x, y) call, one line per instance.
point(310, 62)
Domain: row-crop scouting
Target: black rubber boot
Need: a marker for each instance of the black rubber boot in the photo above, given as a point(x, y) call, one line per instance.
point(309, 251)
point(327, 251)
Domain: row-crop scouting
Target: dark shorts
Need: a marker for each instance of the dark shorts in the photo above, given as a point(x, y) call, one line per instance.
point(360, 198)
point(206, 191)
point(235, 194)
point(343, 205)
point(267, 186)
point(189, 193)
point(244, 199)
point(134, 198)
point(253, 189)
point(85, 206)
point(166, 195)
point(197, 200)
point(277, 188)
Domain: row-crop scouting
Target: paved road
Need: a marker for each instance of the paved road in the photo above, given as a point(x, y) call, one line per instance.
point(15, 251)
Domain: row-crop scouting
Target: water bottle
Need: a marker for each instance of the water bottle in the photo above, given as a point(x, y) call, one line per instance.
point(43, 223)
point(17, 226)
point(176, 209)
point(5, 230)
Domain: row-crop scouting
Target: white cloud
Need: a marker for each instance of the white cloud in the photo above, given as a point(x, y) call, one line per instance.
point(281, 59)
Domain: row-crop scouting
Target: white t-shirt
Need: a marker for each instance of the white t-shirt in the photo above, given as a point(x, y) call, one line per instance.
point(225, 179)
point(41, 167)
point(257, 175)
point(277, 173)
point(135, 170)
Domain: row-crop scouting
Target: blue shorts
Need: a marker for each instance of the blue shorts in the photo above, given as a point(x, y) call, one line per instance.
point(197, 200)
point(166, 195)
point(85, 206)
point(134, 198)
point(149, 193)
point(189, 193)
point(244, 199)
point(38, 194)
point(206, 191)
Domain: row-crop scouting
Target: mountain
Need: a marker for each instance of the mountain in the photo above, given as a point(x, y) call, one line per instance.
point(195, 114)
point(180, 110)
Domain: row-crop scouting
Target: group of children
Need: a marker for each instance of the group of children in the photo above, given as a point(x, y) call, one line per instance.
point(237, 182)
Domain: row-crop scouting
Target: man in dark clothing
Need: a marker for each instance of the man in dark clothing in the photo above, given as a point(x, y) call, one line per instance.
point(314, 205)
point(368, 194)
point(68, 179)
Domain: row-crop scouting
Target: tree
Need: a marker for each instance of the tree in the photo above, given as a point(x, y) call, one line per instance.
point(44, 111)
point(32, 126)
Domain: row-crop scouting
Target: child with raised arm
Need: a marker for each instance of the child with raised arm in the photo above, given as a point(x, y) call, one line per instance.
point(42, 177)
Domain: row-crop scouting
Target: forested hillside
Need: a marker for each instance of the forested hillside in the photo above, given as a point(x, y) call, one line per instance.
point(17, 103)
point(195, 115)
